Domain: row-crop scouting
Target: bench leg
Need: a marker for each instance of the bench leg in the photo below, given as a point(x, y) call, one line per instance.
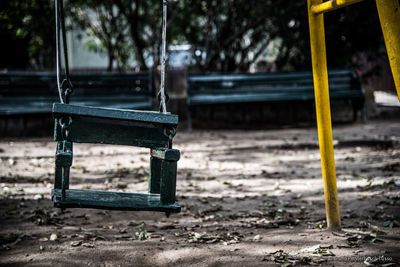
point(231, 110)
point(189, 119)
point(359, 105)
point(364, 114)
point(355, 111)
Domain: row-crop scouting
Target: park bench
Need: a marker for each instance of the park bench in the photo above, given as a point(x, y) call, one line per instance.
point(25, 93)
point(212, 89)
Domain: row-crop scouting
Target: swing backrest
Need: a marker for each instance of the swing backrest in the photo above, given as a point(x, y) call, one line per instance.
point(113, 126)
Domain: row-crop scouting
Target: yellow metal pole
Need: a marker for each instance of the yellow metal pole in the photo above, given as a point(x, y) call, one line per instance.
point(389, 15)
point(332, 5)
point(320, 74)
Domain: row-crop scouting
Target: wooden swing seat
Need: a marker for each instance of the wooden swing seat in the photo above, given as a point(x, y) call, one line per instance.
point(122, 127)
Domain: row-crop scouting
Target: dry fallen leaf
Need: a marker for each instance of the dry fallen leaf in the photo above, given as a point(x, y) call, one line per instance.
point(257, 238)
point(76, 243)
point(53, 237)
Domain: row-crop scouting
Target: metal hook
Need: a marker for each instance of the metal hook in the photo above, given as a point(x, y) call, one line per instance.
point(170, 133)
point(65, 127)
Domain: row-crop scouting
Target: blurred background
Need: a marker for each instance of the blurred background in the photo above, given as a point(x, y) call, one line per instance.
point(210, 36)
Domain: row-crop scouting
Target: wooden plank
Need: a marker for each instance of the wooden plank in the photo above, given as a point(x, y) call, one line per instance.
point(156, 118)
point(155, 175)
point(272, 89)
point(168, 181)
point(259, 76)
point(111, 200)
point(166, 153)
point(215, 99)
point(108, 131)
point(266, 81)
point(262, 82)
point(266, 97)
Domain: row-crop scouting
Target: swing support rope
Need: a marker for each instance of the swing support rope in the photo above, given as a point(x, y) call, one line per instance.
point(163, 106)
point(65, 87)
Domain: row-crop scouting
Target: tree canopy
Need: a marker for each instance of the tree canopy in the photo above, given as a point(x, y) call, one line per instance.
point(228, 36)
point(27, 37)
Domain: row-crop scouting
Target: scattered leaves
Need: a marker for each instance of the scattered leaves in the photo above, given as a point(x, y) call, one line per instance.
point(53, 237)
point(225, 238)
point(391, 223)
point(143, 235)
point(76, 243)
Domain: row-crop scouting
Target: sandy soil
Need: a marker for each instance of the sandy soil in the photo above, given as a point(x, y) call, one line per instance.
point(250, 198)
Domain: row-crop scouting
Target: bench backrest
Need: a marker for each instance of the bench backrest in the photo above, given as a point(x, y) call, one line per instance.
point(24, 84)
point(296, 82)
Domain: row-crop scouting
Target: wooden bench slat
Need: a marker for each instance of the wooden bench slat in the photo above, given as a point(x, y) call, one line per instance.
point(260, 76)
point(287, 89)
point(240, 98)
point(265, 87)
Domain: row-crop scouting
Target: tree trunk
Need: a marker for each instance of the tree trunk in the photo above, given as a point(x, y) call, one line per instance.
point(110, 60)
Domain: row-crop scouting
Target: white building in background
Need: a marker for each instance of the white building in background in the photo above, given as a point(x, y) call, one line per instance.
point(79, 56)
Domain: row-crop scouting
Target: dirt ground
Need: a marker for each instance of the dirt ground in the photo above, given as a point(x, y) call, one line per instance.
point(249, 198)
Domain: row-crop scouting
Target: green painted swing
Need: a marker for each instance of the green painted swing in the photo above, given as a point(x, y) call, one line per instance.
point(83, 124)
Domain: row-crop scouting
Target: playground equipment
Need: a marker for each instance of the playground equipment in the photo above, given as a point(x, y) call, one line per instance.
point(83, 124)
point(389, 15)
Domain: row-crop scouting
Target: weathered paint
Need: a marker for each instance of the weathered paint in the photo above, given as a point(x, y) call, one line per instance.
point(166, 153)
point(155, 175)
point(63, 164)
point(331, 5)
point(389, 15)
point(156, 118)
point(111, 200)
point(163, 166)
point(108, 131)
point(320, 74)
point(168, 181)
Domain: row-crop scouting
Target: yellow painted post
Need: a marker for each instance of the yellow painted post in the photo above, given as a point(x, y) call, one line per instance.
point(332, 5)
point(389, 15)
point(320, 74)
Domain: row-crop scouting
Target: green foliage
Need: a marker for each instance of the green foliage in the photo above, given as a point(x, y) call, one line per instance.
point(26, 34)
point(228, 36)
point(234, 33)
point(105, 29)
point(144, 24)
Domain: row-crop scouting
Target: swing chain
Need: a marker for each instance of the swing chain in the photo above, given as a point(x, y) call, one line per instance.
point(170, 133)
point(65, 127)
point(162, 96)
point(65, 88)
